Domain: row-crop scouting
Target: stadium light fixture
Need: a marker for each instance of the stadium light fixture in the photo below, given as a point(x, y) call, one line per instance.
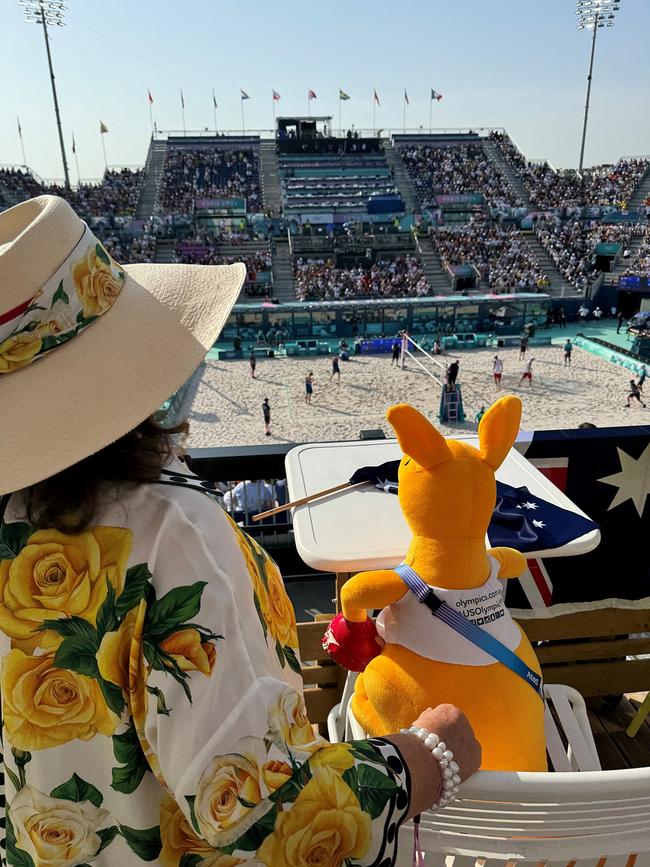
point(592, 15)
point(49, 13)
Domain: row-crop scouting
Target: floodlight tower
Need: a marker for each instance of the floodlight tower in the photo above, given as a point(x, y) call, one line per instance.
point(49, 13)
point(593, 14)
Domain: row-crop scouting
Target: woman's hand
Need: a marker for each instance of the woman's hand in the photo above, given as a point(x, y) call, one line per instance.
point(452, 726)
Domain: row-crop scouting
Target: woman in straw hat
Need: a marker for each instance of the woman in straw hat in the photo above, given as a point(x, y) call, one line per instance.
point(151, 691)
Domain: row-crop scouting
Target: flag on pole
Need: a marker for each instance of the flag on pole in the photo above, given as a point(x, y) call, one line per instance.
point(244, 95)
point(377, 98)
point(20, 131)
point(435, 95)
point(150, 97)
point(276, 96)
point(406, 97)
point(343, 95)
point(182, 99)
point(214, 98)
point(102, 127)
point(311, 94)
point(74, 147)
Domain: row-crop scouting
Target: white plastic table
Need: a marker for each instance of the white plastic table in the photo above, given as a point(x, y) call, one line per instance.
point(364, 528)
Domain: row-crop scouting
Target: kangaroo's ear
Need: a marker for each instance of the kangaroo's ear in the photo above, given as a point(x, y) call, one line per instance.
point(498, 430)
point(417, 437)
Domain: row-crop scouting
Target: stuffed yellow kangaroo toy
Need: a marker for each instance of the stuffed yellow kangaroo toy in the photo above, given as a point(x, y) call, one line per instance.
point(447, 492)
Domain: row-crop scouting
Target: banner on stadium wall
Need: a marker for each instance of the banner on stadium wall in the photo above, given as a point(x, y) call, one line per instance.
point(608, 249)
point(462, 271)
point(459, 199)
point(317, 218)
point(220, 205)
point(634, 284)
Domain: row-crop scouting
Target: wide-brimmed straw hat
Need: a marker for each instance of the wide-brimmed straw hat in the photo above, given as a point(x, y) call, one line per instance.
point(90, 348)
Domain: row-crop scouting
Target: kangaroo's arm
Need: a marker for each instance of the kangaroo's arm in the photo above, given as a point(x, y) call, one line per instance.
point(512, 563)
point(374, 589)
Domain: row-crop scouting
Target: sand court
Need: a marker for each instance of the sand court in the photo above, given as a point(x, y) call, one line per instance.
point(224, 404)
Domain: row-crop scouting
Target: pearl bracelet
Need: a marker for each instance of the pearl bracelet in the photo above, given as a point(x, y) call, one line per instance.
point(445, 758)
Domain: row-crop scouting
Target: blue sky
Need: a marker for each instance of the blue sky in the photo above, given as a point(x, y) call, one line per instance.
point(512, 63)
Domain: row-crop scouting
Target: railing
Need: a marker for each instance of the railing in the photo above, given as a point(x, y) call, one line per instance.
point(387, 132)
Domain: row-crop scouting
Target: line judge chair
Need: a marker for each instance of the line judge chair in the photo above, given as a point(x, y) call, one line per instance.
point(578, 816)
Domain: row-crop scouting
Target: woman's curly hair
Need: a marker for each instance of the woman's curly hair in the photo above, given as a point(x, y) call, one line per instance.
point(70, 500)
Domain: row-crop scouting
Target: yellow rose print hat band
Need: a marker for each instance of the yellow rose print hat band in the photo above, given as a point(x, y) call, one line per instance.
point(82, 289)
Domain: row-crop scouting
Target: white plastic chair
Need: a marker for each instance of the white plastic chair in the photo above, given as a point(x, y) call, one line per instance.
point(579, 753)
point(593, 818)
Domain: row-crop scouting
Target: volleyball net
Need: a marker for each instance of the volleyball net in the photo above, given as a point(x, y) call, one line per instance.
point(451, 400)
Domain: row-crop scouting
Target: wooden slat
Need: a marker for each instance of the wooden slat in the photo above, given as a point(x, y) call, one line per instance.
point(592, 650)
point(604, 678)
point(614, 721)
point(319, 702)
point(588, 624)
point(310, 636)
point(323, 674)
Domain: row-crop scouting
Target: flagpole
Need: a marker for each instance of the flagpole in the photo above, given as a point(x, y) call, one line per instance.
point(430, 113)
point(308, 105)
point(214, 106)
point(76, 160)
point(340, 126)
point(273, 101)
point(243, 122)
point(151, 117)
point(374, 114)
point(404, 122)
point(102, 134)
point(22, 143)
point(183, 112)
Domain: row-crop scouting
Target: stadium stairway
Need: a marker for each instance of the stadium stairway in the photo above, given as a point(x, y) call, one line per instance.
point(271, 183)
point(642, 192)
point(432, 267)
point(621, 265)
point(283, 286)
point(401, 177)
point(165, 251)
point(153, 178)
point(493, 153)
point(559, 287)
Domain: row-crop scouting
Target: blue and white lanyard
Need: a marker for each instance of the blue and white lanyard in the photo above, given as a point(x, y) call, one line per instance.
point(468, 629)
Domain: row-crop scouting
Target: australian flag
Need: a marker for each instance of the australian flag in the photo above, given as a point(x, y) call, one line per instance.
point(605, 472)
point(520, 520)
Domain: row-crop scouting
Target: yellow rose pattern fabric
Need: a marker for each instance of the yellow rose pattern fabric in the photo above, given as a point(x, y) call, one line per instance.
point(73, 298)
point(152, 707)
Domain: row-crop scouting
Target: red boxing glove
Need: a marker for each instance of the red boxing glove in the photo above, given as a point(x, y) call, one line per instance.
point(351, 645)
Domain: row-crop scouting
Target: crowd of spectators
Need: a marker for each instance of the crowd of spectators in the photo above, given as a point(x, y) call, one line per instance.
point(16, 185)
point(571, 244)
point(126, 248)
point(201, 173)
point(639, 265)
point(116, 195)
point(320, 279)
point(206, 252)
point(601, 185)
point(463, 168)
point(500, 255)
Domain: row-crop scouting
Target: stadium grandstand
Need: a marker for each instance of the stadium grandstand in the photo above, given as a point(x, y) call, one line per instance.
point(322, 217)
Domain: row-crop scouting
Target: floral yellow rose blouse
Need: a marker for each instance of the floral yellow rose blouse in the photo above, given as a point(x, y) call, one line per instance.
point(152, 705)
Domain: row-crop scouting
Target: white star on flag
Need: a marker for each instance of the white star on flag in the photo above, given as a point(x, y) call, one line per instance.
point(539, 524)
point(633, 481)
point(529, 505)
